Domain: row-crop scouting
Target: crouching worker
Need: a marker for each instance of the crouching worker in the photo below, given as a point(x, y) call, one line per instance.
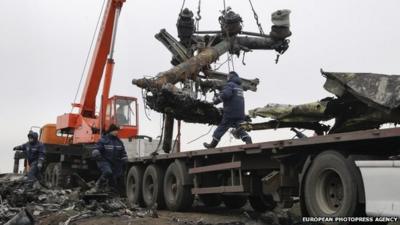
point(233, 110)
point(34, 152)
point(111, 158)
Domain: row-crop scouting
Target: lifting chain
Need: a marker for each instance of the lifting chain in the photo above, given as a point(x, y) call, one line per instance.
point(198, 17)
point(183, 5)
point(224, 6)
point(256, 18)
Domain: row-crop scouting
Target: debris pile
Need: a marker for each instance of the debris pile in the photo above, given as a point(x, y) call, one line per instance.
point(201, 222)
point(19, 197)
point(23, 204)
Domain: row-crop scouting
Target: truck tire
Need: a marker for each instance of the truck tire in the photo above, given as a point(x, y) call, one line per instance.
point(152, 188)
point(330, 189)
point(177, 195)
point(61, 176)
point(48, 175)
point(134, 186)
point(262, 203)
point(234, 201)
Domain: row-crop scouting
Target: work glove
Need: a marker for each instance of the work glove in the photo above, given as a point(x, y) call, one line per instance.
point(247, 118)
point(96, 155)
point(124, 159)
point(40, 165)
point(216, 100)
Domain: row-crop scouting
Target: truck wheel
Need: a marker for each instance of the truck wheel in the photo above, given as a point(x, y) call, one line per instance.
point(177, 195)
point(48, 175)
point(262, 203)
point(330, 189)
point(153, 186)
point(134, 186)
point(61, 177)
point(234, 201)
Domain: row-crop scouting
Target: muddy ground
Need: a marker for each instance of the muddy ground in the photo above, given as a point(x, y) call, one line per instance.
point(199, 215)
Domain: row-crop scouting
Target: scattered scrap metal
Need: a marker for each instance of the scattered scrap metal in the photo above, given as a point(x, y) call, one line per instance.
point(24, 205)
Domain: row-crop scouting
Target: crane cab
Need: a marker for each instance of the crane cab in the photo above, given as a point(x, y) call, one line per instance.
point(122, 111)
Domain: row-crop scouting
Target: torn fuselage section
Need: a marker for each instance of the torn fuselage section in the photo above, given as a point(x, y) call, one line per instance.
point(183, 107)
point(363, 101)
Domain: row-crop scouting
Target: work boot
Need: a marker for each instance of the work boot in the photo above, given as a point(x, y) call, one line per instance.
point(248, 140)
point(213, 144)
point(28, 185)
point(100, 186)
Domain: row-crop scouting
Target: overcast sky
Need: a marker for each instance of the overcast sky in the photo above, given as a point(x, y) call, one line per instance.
point(43, 45)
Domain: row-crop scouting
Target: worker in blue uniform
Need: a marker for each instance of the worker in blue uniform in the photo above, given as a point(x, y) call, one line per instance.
point(233, 110)
point(34, 152)
point(111, 158)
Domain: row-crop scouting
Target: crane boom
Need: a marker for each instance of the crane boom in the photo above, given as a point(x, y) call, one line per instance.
point(104, 47)
point(86, 126)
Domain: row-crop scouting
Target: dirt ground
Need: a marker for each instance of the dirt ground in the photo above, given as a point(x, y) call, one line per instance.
point(199, 215)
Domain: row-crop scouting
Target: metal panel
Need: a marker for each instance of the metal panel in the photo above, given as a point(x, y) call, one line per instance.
point(221, 189)
point(215, 167)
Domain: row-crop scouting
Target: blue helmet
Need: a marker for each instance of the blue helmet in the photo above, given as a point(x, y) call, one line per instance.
point(33, 135)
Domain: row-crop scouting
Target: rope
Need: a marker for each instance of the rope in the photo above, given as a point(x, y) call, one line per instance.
point(200, 136)
point(232, 62)
point(256, 18)
point(145, 104)
point(88, 54)
point(228, 60)
point(220, 65)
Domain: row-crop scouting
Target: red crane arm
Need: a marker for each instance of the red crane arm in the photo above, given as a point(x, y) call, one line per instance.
point(102, 50)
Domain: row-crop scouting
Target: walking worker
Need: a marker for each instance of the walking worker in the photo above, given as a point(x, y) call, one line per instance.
point(111, 158)
point(34, 152)
point(233, 110)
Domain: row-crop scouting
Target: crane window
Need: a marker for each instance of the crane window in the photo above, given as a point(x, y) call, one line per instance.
point(125, 112)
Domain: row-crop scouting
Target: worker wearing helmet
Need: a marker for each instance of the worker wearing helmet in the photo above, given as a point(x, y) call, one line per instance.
point(233, 111)
point(34, 152)
point(111, 158)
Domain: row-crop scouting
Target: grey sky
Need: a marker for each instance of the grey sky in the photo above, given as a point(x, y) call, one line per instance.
point(43, 45)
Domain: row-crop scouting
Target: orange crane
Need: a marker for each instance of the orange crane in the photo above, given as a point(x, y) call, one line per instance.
point(70, 141)
point(87, 126)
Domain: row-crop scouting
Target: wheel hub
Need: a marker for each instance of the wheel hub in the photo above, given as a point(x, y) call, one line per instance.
point(330, 193)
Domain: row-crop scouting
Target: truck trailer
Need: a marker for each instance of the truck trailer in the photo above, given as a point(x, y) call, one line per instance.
point(321, 172)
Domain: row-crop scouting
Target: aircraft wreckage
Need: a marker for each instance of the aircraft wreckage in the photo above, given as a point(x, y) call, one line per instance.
point(363, 101)
point(177, 92)
point(192, 57)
